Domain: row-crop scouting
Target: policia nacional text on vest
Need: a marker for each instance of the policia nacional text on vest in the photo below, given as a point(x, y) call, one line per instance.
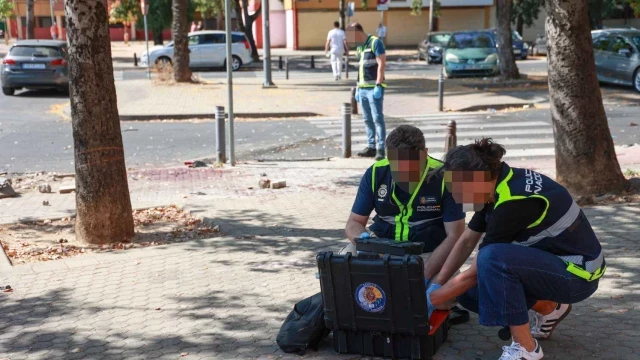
point(562, 229)
point(420, 219)
point(368, 69)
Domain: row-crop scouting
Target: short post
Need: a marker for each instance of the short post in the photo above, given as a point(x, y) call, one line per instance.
point(354, 103)
point(451, 139)
point(346, 67)
point(313, 62)
point(441, 90)
point(135, 60)
point(286, 68)
point(220, 136)
point(279, 62)
point(346, 130)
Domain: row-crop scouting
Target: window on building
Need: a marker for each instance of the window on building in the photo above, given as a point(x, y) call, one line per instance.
point(43, 21)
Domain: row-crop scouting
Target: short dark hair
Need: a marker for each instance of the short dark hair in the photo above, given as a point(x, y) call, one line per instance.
point(482, 155)
point(406, 137)
point(336, 24)
point(357, 26)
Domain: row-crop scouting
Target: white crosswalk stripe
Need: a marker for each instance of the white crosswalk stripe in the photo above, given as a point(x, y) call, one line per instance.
point(522, 138)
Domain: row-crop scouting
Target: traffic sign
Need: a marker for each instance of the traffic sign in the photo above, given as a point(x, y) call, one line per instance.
point(144, 7)
point(383, 5)
point(351, 9)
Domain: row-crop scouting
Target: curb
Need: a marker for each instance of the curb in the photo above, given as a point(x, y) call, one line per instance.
point(66, 112)
point(496, 107)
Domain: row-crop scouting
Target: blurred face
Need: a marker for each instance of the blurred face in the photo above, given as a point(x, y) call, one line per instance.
point(407, 167)
point(354, 37)
point(472, 189)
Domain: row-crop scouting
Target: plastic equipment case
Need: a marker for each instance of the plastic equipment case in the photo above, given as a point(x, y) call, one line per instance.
point(376, 306)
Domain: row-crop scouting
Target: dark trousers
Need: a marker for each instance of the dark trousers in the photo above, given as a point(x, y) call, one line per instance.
point(511, 278)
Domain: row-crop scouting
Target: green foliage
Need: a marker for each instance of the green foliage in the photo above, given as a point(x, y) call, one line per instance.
point(601, 9)
point(125, 11)
point(160, 15)
point(6, 9)
point(529, 9)
point(209, 8)
point(364, 4)
point(416, 8)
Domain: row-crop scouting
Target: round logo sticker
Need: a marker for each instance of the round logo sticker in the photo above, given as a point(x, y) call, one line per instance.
point(371, 298)
point(382, 191)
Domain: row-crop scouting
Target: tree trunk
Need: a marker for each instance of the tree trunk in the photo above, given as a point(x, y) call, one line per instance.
point(102, 193)
point(30, 20)
point(157, 38)
point(520, 25)
point(507, 63)
point(220, 21)
point(342, 12)
point(586, 161)
point(180, 30)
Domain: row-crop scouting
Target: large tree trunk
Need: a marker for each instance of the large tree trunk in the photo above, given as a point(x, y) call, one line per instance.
point(508, 68)
point(520, 25)
point(30, 20)
point(180, 30)
point(586, 161)
point(102, 193)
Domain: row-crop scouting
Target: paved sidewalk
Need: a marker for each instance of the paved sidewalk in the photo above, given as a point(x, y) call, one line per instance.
point(226, 297)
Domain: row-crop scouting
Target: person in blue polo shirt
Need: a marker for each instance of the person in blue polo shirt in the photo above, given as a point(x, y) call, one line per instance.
point(410, 201)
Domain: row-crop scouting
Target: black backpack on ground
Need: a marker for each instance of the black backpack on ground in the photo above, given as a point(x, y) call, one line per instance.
point(304, 327)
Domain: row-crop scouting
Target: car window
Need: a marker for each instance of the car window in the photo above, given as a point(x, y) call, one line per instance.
point(212, 39)
point(194, 40)
point(602, 44)
point(636, 40)
point(236, 38)
point(621, 43)
point(35, 51)
point(516, 36)
point(440, 38)
point(471, 40)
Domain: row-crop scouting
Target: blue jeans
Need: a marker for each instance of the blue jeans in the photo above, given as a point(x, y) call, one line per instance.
point(373, 118)
point(511, 278)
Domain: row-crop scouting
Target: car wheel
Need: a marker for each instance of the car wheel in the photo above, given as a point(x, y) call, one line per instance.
point(636, 80)
point(8, 91)
point(236, 63)
point(163, 62)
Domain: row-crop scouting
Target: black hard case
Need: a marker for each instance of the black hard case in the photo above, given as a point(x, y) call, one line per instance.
point(401, 330)
point(388, 246)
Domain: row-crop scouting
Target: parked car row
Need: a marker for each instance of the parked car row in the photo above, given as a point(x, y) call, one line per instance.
point(617, 56)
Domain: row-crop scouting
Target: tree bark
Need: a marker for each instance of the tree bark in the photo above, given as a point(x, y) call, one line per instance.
point(586, 161)
point(248, 29)
point(343, 14)
point(507, 63)
point(30, 20)
point(180, 30)
point(102, 193)
point(157, 38)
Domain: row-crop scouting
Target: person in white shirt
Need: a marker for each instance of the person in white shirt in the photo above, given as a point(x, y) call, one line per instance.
point(382, 32)
point(337, 42)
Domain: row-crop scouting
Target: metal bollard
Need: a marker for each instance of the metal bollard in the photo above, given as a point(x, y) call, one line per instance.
point(313, 62)
point(441, 90)
point(346, 67)
point(220, 136)
point(286, 68)
point(354, 103)
point(451, 139)
point(279, 62)
point(135, 60)
point(346, 130)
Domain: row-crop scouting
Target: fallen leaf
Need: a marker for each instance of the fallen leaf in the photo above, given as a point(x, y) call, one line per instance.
point(617, 297)
point(7, 290)
point(633, 124)
point(76, 350)
point(158, 309)
point(184, 354)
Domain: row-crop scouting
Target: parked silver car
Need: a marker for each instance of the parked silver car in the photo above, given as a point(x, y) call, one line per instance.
point(207, 49)
point(539, 46)
point(35, 64)
point(617, 56)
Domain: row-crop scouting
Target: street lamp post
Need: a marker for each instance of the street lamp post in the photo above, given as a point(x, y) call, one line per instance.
point(266, 45)
point(227, 23)
point(144, 5)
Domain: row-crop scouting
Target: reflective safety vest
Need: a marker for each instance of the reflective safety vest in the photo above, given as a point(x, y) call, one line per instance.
point(368, 68)
point(418, 220)
point(562, 229)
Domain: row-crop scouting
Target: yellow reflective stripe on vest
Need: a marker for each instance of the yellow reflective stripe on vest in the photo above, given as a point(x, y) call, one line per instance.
point(505, 195)
point(584, 274)
point(377, 164)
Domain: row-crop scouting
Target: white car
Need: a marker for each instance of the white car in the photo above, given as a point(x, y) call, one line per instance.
point(207, 49)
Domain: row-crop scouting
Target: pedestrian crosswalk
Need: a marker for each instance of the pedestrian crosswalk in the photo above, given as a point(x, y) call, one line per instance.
point(522, 137)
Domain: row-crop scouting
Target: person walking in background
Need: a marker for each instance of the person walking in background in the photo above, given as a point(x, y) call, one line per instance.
point(54, 31)
point(337, 42)
point(200, 27)
point(382, 32)
point(370, 87)
point(194, 27)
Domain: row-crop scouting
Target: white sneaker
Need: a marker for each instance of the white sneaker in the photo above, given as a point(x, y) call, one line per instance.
point(517, 352)
point(542, 326)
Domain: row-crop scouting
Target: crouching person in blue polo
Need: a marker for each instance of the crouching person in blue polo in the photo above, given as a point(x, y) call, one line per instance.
point(411, 204)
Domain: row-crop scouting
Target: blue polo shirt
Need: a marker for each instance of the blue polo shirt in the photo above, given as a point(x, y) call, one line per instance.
point(432, 207)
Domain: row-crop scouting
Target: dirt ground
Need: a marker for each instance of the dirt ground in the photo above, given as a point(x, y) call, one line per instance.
point(52, 240)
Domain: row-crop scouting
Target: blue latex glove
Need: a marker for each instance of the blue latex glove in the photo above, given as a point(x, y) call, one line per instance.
point(433, 287)
point(377, 92)
point(357, 95)
point(365, 235)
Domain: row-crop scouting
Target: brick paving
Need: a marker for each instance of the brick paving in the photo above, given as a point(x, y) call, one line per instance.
point(226, 297)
